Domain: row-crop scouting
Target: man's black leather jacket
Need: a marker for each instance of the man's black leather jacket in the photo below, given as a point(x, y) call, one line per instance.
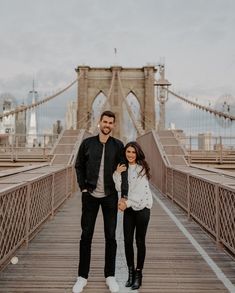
point(88, 164)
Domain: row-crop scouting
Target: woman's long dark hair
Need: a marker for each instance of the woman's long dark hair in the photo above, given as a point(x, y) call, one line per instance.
point(140, 157)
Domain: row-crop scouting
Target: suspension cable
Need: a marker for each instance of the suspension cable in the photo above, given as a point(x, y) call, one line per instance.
point(84, 117)
point(202, 107)
point(28, 107)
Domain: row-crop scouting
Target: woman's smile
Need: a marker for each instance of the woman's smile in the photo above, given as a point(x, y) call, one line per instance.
point(131, 155)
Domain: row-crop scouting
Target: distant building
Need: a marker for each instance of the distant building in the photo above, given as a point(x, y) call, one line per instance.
point(50, 135)
point(32, 119)
point(47, 138)
point(20, 126)
point(7, 124)
point(71, 115)
point(171, 126)
point(205, 141)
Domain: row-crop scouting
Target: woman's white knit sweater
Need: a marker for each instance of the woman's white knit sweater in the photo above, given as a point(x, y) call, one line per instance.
point(139, 193)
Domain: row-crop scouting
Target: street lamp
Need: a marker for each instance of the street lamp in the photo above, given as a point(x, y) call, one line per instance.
point(162, 95)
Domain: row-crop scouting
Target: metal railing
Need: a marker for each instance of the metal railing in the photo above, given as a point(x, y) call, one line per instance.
point(26, 206)
point(23, 208)
point(211, 149)
point(15, 147)
point(210, 203)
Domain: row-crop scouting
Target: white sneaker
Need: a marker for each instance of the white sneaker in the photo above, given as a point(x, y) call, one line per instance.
point(112, 284)
point(79, 285)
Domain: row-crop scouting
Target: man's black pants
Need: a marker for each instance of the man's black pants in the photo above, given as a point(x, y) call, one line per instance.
point(90, 208)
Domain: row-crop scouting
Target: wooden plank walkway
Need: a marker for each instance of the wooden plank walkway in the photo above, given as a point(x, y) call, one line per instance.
point(49, 264)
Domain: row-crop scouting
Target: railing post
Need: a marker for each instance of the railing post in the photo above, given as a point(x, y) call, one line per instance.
point(166, 186)
point(12, 147)
point(161, 176)
point(216, 149)
point(190, 149)
point(188, 196)
point(16, 146)
point(44, 147)
point(66, 182)
point(74, 187)
point(72, 180)
point(53, 195)
point(217, 215)
point(221, 150)
point(172, 186)
point(27, 225)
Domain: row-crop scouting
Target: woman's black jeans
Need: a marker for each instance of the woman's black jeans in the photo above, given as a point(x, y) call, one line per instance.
point(135, 222)
point(90, 208)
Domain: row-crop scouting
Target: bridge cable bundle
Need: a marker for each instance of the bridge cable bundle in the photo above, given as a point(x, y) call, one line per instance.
point(28, 107)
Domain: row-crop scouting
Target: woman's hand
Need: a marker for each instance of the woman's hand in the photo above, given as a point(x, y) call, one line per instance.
point(121, 168)
point(122, 204)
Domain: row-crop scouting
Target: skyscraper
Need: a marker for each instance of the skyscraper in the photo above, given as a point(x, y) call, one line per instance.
point(20, 126)
point(32, 119)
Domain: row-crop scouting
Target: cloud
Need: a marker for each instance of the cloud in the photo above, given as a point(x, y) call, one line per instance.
point(47, 40)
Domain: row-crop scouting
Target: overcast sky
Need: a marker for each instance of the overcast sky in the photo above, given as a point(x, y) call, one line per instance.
point(47, 39)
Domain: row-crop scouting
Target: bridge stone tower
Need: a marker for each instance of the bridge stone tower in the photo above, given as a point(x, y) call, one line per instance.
point(139, 81)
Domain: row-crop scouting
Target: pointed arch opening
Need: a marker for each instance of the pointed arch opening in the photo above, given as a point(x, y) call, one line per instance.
point(129, 130)
point(97, 107)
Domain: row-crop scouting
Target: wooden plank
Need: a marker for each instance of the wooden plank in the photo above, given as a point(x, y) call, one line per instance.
point(172, 264)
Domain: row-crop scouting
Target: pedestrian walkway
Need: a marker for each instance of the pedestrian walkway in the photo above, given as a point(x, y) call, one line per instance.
point(173, 264)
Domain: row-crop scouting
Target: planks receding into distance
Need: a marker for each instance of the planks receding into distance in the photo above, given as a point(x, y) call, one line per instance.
point(49, 264)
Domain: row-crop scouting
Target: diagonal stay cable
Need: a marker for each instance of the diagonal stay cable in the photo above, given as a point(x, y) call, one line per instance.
point(92, 129)
point(136, 124)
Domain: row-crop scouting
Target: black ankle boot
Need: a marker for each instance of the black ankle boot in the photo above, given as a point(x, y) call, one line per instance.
point(137, 280)
point(131, 274)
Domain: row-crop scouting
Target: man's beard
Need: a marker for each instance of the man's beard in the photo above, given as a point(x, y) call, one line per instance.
point(105, 133)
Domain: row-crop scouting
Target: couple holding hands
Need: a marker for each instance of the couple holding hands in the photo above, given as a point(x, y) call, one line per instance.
point(101, 173)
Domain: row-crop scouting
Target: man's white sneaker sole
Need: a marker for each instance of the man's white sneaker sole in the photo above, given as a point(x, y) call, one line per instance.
point(112, 284)
point(79, 285)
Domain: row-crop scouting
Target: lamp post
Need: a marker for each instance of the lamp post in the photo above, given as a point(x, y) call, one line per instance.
point(162, 96)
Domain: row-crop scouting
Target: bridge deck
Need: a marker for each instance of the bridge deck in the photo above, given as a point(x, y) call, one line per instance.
point(172, 263)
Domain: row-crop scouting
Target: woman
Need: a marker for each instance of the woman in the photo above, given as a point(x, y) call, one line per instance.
point(136, 209)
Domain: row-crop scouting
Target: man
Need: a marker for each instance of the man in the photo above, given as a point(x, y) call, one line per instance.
point(97, 159)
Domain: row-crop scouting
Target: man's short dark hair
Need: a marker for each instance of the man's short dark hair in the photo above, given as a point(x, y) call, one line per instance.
point(109, 114)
